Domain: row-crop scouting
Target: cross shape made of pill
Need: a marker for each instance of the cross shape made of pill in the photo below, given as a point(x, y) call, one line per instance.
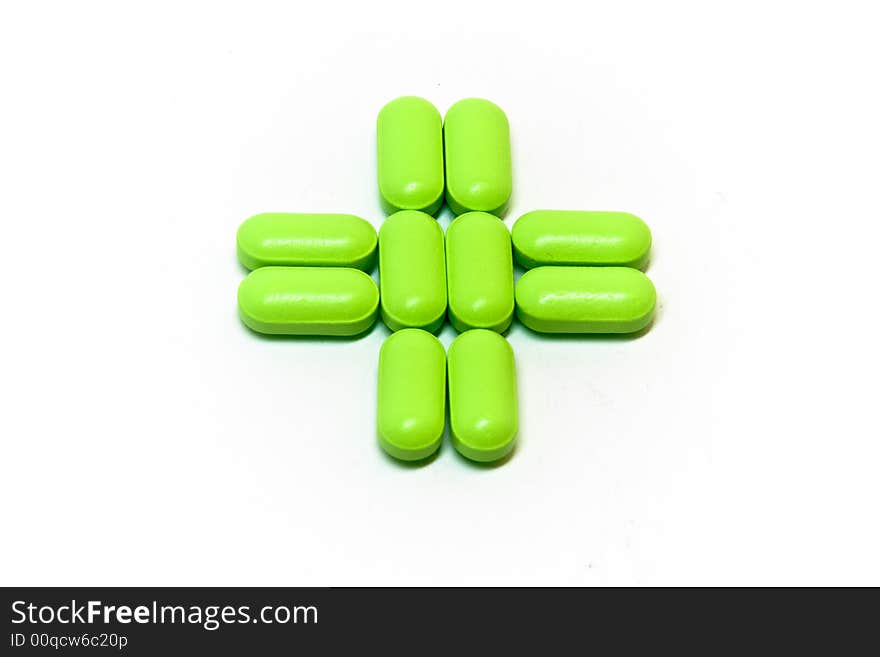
point(308, 277)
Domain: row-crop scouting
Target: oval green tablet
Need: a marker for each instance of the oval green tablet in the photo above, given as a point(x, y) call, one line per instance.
point(409, 140)
point(412, 394)
point(479, 272)
point(306, 240)
point(478, 168)
point(569, 237)
point(585, 299)
point(412, 271)
point(482, 395)
point(329, 301)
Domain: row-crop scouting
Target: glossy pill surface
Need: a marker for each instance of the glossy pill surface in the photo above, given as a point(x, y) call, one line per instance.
point(585, 299)
point(306, 240)
point(478, 165)
point(409, 141)
point(330, 301)
point(479, 271)
point(412, 271)
point(482, 395)
point(569, 237)
point(411, 398)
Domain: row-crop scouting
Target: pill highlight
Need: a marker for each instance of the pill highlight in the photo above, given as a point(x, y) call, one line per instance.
point(482, 395)
point(411, 397)
point(568, 237)
point(478, 166)
point(585, 299)
point(306, 240)
point(412, 271)
point(329, 301)
point(409, 141)
point(479, 271)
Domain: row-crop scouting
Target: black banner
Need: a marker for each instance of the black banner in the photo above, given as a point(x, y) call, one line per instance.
point(181, 621)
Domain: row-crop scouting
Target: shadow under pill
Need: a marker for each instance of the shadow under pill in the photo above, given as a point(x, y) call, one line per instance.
point(272, 337)
point(487, 465)
point(409, 465)
point(584, 337)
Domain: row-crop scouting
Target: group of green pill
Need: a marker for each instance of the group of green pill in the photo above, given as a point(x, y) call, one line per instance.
point(309, 277)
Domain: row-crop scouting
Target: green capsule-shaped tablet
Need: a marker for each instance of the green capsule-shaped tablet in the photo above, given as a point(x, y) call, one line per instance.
point(306, 240)
point(482, 395)
point(412, 394)
point(479, 271)
point(585, 299)
point(308, 301)
point(409, 140)
point(412, 271)
point(568, 237)
point(478, 168)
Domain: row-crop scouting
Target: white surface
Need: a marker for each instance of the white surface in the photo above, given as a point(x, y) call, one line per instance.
point(148, 438)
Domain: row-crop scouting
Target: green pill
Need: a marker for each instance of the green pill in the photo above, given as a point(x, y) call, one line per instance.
point(412, 394)
point(306, 240)
point(330, 301)
point(566, 237)
point(482, 395)
point(409, 140)
point(478, 168)
point(585, 299)
point(412, 271)
point(479, 271)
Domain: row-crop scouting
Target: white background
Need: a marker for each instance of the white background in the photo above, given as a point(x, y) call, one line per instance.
point(148, 438)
